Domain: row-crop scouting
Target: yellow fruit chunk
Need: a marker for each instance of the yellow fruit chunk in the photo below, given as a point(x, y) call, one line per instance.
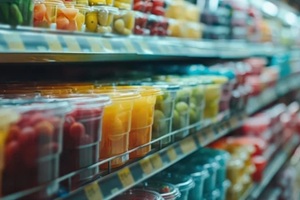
point(80, 21)
point(91, 21)
point(119, 25)
point(129, 20)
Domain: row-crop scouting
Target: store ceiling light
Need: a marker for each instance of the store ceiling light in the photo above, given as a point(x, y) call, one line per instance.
point(290, 18)
point(270, 8)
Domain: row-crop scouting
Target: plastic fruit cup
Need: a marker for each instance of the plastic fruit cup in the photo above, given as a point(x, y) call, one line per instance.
point(7, 117)
point(67, 19)
point(212, 100)
point(82, 135)
point(235, 192)
point(45, 13)
point(234, 169)
point(135, 194)
point(198, 174)
point(18, 12)
point(163, 113)
point(167, 191)
point(124, 22)
point(142, 120)
point(183, 182)
point(80, 20)
point(33, 143)
point(116, 126)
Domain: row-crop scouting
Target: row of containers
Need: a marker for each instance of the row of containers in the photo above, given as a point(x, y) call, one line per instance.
point(228, 19)
point(53, 129)
point(230, 167)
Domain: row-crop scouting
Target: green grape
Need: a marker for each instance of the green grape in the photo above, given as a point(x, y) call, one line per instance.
point(182, 107)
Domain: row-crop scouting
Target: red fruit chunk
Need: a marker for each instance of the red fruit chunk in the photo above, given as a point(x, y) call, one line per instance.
point(139, 6)
point(49, 149)
point(72, 26)
point(12, 151)
point(138, 31)
point(98, 111)
point(77, 131)
point(68, 123)
point(84, 114)
point(62, 23)
point(45, 131)
point(39, 11)
point(55, 121)
point(86, 139)
point(148, 7)
point(158, 3)
point(160, 11)
point(165, 189)
point(13, 133)
point(36, 118)
point(30, 156)
point(28, 137)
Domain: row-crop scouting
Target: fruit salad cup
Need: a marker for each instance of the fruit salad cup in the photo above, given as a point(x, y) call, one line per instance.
point(16, 12)
point(7, 117)
point(34, 143)
point(212, 101)
point(45, 13)
point(68, 18)
point(82, 135)
point(116, 125)
point(124, 22)
point(99, 19)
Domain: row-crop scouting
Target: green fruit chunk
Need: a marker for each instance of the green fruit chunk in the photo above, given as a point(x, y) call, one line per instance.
point(176, 121)
point(16, 15)
point(158, 115)
point(182, 107)
point(193, 117)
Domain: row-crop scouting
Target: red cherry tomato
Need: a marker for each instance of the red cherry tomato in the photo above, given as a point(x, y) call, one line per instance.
point(49, 149)
point(77, 130)
point(158, 3)
point(45, 131)
point(13, 133)
point(139, 6)
point(27, 137)
point(12, 152)
point(160, 11)
point(68, 123)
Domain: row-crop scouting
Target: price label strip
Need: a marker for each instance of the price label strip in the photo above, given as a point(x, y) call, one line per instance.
point(188, 145)
point(72, 44)
point(94, 44)
point(93, 192)
point(172, 154)
point(146, 166)
point(126, 177)
point(14, 42)
point(156, 161)
point(53, 43)
point(129, 47)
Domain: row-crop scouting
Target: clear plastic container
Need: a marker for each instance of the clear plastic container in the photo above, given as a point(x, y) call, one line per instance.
point(198, 174)
point(182, 10)
point(167, 191)
point(223, 190)
point(235, 170)
point(163, 113)
point(144, 6)
point(45, 13)
point(116, 124)
point(67, 18)
point(221, 157)
point(184, 29)
point(123, 22)
point(99, 19)
point(184, 182)
point(235, 192)
point(7, 117)
point(16, 12)
point(82, 135)
point(212, 100)
point(80, 20)
point(140, 23)
point(212, 167)
point(135, 194)
point(157, 25)
point(34, 143)
point(123, 4)
point(214, 195)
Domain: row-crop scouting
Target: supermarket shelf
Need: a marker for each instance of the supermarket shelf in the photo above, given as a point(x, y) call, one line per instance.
point(28, 45)
point(272, 93)
point(280, 159)
point(121, 180)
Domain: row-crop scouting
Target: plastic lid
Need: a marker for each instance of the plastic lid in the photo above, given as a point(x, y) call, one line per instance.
point(135, 194)
point(106, 8)
point(166, 190)
point(22, 105)
point(183, 182)
point(162, 85)
point(85, 100)
point(8, 116)
point(143, 90)
point(114, 94)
